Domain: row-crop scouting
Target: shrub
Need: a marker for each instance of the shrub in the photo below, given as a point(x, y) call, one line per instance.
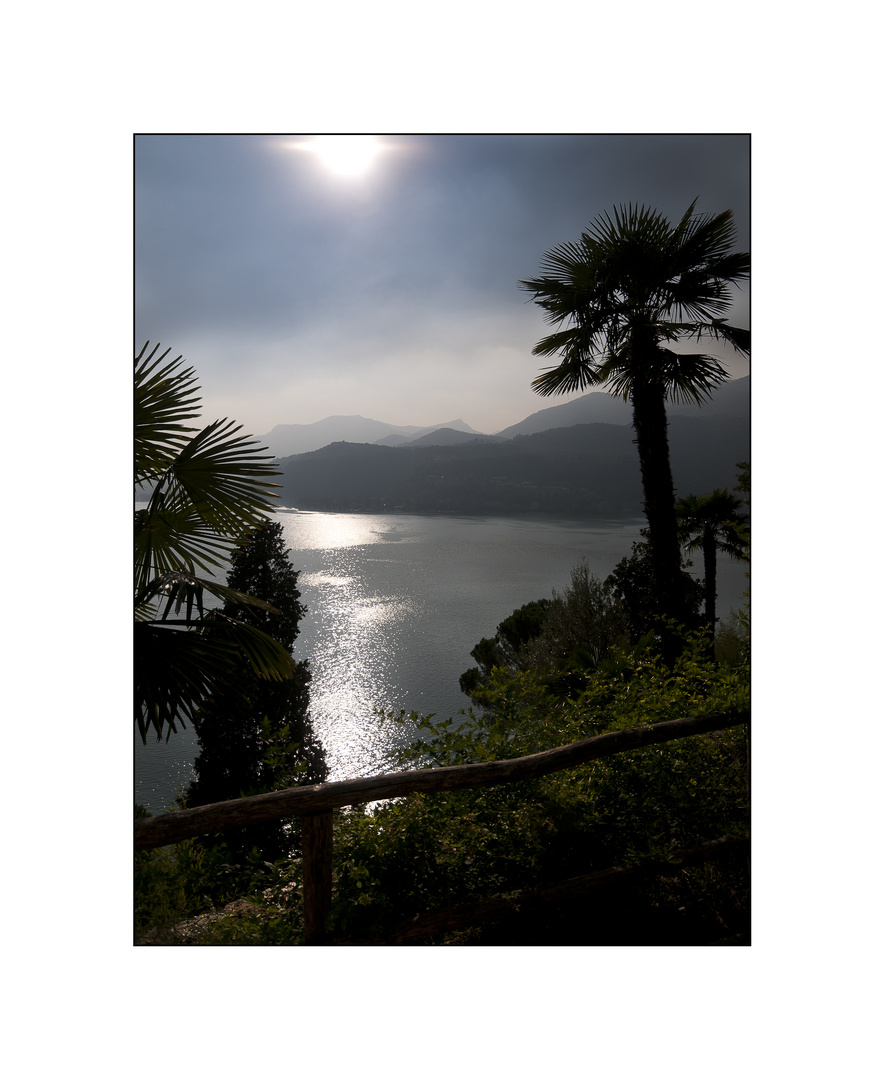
point(428, 852)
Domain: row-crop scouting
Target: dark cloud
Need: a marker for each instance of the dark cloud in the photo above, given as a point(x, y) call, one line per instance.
point(272, 274)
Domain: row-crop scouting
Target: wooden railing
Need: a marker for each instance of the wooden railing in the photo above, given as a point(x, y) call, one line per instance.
point(314, 804)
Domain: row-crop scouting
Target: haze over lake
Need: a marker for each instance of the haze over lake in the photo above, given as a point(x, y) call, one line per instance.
point(395, 604)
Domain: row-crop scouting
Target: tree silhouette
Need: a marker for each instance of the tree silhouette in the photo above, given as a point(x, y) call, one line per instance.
point(630, 287)
point(256, 735)
point(633, 582)
point(712, 523)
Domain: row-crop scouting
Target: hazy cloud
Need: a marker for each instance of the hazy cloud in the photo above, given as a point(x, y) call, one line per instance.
point(298, 294)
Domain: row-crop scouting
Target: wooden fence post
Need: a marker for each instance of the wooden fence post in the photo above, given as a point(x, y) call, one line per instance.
point(316, 863)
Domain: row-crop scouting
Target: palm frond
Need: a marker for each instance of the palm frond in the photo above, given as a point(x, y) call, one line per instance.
point(175, 671)
point(179, 664)
point(214, 489)
point(565, 262)
point(225, 477)
point(573, 373)
point(633, 227)
point(176, 537)
point(688, 377)
point(265, 655)
point(181, 589)
point(736, 337)
point(164, 398)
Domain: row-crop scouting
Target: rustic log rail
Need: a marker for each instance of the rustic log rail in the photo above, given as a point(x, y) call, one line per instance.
point(314, 804)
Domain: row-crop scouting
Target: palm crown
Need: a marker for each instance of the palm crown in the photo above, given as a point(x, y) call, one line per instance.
point(631, 284)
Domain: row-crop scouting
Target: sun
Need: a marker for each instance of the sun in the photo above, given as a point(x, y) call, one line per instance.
point(344, 155)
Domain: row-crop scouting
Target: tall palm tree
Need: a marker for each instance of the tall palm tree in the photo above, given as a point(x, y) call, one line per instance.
point(206, 489)
point(713, 524)
point(630, 287)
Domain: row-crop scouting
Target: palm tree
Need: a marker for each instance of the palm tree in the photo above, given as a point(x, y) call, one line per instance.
point(631, 286)
point(712, 523)
point(206, 489)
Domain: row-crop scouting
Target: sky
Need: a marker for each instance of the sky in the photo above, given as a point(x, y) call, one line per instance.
point(304, 277)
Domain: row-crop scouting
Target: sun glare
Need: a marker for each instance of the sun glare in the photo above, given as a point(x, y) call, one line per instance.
point(345, 155)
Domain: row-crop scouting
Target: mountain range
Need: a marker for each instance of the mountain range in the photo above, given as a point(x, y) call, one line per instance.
point(567, 467)
point(286, 439)
point(598, 407)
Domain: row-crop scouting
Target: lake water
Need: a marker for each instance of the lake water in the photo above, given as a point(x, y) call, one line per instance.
point(395, 604)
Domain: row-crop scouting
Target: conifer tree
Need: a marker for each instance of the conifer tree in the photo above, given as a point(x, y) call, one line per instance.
point(256, 735)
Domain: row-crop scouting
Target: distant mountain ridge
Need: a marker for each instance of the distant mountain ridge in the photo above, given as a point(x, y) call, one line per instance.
point(287, 439)
point(448, 436)
point(597, 407)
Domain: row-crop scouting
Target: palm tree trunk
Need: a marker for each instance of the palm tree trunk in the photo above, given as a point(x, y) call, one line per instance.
point(650, 425)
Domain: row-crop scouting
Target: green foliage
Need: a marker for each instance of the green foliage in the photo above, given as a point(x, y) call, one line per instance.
point(633, 581)
point(523, 625)
point(571, 631)
point(582, 623)
point(503, 650)
point(197, 894)
point(631, 687)
point(424, 853)
point(428, 852)
point(732, 644)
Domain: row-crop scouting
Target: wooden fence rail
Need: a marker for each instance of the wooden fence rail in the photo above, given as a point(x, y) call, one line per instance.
point(314, 804)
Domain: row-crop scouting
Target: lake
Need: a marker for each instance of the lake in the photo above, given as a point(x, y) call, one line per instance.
point(395, 604)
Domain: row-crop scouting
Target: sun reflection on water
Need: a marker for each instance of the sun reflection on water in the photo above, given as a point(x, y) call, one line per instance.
point(324, 532)
point(352, 635)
